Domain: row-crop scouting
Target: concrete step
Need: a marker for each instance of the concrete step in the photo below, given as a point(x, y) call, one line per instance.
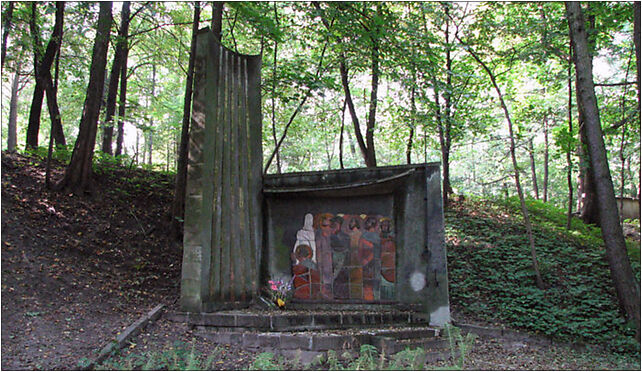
point(390, 340)
point(300, 320)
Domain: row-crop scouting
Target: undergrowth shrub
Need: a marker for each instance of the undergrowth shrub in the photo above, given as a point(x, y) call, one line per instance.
point(491, 275)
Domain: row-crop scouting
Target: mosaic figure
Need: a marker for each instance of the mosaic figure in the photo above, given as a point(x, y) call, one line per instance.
point(388, 251)
point(370, 259)
point(324, 251)
point(349, 257)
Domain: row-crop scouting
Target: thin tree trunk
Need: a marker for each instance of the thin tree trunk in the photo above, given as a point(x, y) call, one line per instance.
point(447, 119)
point(54, 112)
point(112, 91)
point(636, 40)
point(13, 110)
point(136, 152)
point(178, 204)
point(569, 164)
point(296, 111)
point(371, 159)
point(42, 71)
point(79, 171)
point(343, 122)
point(366, 146)
point(545, 183)
point(276, 45)
point(343, 70)
point(8, 18)
point(413, 122)
point(149, 140)
point(529, 230)
point(531, 155)
point(627, 288)
point(122, 102)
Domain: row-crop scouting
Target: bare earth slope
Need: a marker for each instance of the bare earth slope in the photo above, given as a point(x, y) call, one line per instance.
point(77, 269)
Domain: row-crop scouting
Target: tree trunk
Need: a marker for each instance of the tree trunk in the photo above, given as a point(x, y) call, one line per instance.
point(42, 72)
point(274, 61)
point(367, 151)
point(569, 164)
point(545, 183)
point(413, 122)
point(531, 155)
point(371, 159)
point(149, 140)
point(13, 110)
point(447, 118)
point(529, 230)
point(122, 102)
point(112, 91)
point(8, 17)
point(77, 176)
point(627, 288)
point(178, 204)
point(343, 70)
point(587, 196)
point(54, 113)
point(217, 18)
point(636, 40)
point(343, 123)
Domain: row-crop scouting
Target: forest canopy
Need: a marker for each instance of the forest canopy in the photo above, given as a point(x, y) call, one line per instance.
point(346, 84)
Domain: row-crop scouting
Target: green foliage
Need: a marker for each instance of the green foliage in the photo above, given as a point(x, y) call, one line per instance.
point(408, 359)
point(173, 358)
point(491, 276)
point(460, 346)
point(266, 362)
point(366, 361)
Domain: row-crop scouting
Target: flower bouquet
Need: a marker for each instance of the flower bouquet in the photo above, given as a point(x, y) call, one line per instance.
point(279, 292)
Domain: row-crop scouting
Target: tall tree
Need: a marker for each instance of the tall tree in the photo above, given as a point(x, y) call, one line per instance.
point(8, 18)
point(122, 95)
point(44, 81)
point(371, 25)
point(112, 90)
point(531, 155)
point(587, 194)
point(527, 222)
point(178, 204)
point(217, 18)
point(78, 174)
point(13, 110)
point(627, 288)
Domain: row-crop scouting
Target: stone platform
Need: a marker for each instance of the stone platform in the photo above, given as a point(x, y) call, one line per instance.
point(315, 332)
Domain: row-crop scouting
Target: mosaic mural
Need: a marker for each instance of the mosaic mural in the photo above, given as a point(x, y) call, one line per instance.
point(344, 257)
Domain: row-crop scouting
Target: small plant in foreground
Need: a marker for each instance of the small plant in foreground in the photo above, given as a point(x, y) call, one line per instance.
point(459, 343)
point(266, 362)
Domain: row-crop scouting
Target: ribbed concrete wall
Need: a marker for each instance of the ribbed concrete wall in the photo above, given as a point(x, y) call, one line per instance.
point(222, 227)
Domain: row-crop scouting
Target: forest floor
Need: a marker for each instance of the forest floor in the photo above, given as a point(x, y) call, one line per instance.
point(78, 269)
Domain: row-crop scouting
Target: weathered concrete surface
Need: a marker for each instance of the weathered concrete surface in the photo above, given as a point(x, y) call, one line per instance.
point(223, 228)
point(411, 195)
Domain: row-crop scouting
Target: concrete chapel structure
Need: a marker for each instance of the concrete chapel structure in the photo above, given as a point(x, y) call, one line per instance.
point(366, 239)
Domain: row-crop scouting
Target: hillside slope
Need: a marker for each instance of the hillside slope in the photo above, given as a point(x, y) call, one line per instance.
point(77, 269)
point(491, 276)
